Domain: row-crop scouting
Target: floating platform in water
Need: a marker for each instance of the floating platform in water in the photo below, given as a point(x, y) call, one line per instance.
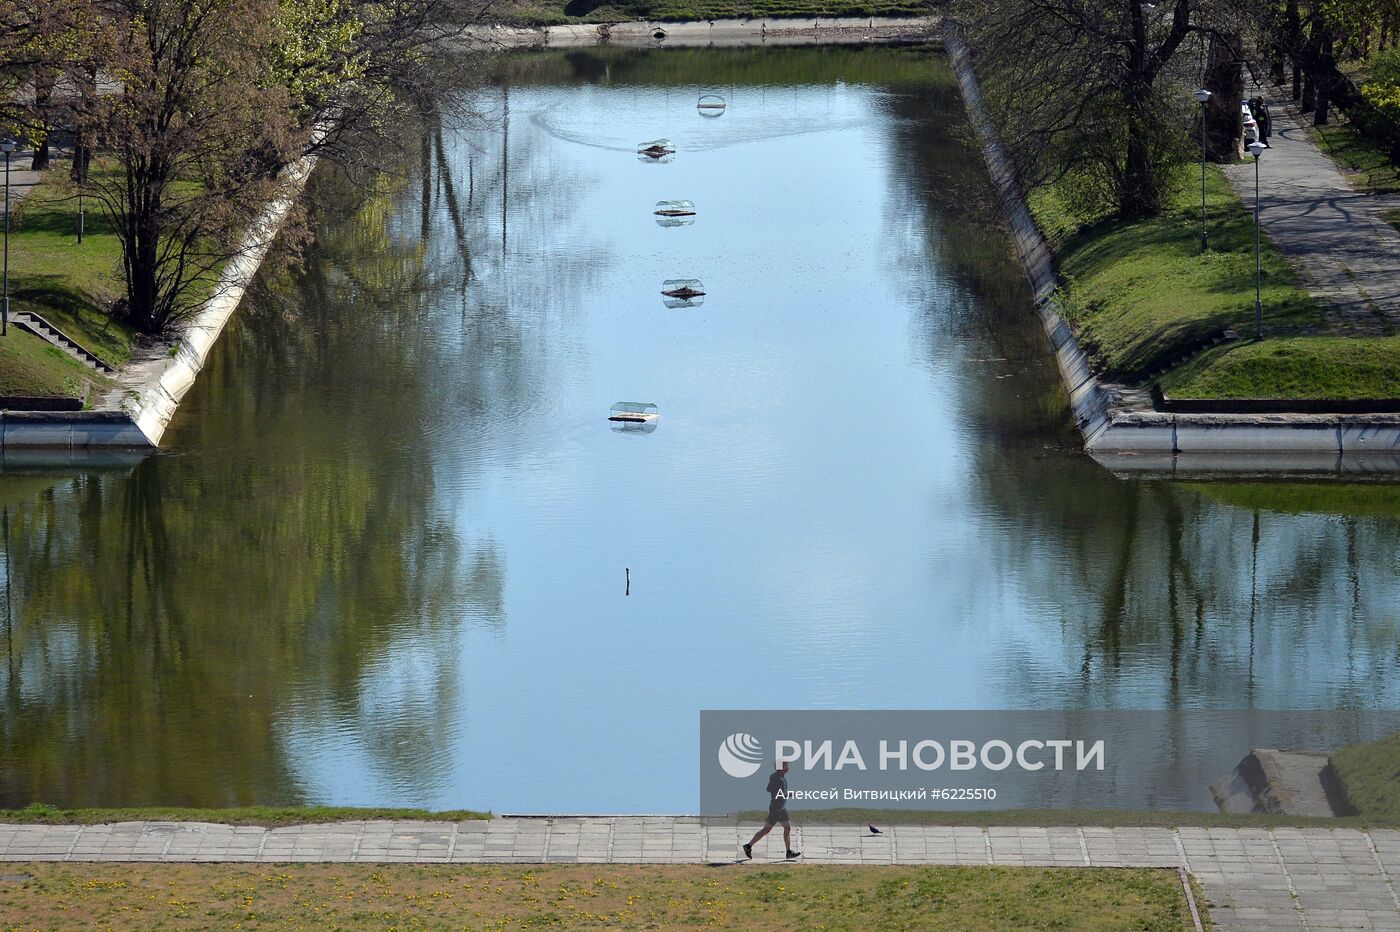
point(634, 412)
point(683, 288)
point(675, 209)
point(683, 292)
point(656, 150)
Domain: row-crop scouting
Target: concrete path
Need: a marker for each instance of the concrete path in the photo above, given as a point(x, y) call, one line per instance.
point(1284, 878)
point(22, 179)
point(1347, 255)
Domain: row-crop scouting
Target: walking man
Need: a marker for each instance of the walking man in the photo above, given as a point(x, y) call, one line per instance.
point(777, 812)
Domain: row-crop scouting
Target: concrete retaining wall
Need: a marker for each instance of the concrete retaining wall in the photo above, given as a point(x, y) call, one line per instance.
point(822, 30)
point(1115, 432)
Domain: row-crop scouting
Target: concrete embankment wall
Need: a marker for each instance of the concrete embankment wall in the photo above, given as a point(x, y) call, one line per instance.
point(818, 30)
point(1130, 438)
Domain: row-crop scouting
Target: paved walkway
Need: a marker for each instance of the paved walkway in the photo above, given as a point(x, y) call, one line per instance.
point(22, 180)
point(1348, 256)
point(1284, 878)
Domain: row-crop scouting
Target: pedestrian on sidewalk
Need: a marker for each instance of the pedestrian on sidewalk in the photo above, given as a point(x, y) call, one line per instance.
point(1265, 121)
point(777, 812)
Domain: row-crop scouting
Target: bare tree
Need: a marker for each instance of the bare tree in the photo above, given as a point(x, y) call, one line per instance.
point(198, 139)
point(1075, 84)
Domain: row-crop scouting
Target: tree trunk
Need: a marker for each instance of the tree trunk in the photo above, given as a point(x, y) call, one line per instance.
point(1326, 74)
point(1138, 199)
point(43, 98)
point(143, 294)
point(1294, 30)
point(82, 158)
point(1278, 45)
point(1139, 195)
point(1225, 81)
point(141, 247)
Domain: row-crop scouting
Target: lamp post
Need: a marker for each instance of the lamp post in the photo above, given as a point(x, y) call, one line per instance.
point(1256, 149)
point(1202, 96)
point(8, 146)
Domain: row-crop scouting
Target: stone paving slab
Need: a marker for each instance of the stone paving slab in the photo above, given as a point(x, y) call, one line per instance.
point(1264, 879)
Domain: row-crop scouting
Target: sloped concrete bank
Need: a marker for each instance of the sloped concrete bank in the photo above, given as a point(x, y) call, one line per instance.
point(149, 389)
point(1120, 427)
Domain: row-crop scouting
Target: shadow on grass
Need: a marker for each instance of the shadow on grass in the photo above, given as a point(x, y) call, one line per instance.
point(76, 313)
point(58, 216)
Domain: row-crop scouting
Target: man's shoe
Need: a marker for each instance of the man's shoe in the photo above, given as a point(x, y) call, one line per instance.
point(793, 854)
point(748, 852)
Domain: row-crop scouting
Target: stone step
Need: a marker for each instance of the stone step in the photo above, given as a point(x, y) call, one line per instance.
point(41, 328)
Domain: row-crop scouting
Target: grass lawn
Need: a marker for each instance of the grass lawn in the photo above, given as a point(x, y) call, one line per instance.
point(1293, 367)
point(1365, 163)
point(31, 367)
point(1371, 774)
point(1139, 293)
point(653, 896)
point(69, 284)
point(249, 815)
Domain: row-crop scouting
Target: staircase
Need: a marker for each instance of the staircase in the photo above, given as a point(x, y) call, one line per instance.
point(41, 328)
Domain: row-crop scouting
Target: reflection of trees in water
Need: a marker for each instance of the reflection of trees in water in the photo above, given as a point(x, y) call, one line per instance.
point(297, 573)
point(173, 628)
point(1164, 597)
point(499, 290)
point(494, 203)
point(1161, 596)
point(941, 217)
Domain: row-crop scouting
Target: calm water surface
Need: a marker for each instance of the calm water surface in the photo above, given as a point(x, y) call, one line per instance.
point(382, 561)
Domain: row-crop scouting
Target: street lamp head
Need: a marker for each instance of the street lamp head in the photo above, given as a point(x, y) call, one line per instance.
point(1256, 149)
point(1202, 96)
point(7, 146)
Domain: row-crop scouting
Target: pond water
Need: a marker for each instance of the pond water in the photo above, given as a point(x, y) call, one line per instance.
point(383, 559)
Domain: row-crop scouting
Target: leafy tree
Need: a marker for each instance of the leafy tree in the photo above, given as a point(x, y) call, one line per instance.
point(39, 45)
point(1381, 91)
point(316, 52)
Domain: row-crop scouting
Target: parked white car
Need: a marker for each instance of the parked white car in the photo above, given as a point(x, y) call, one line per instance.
point(1251, 126)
